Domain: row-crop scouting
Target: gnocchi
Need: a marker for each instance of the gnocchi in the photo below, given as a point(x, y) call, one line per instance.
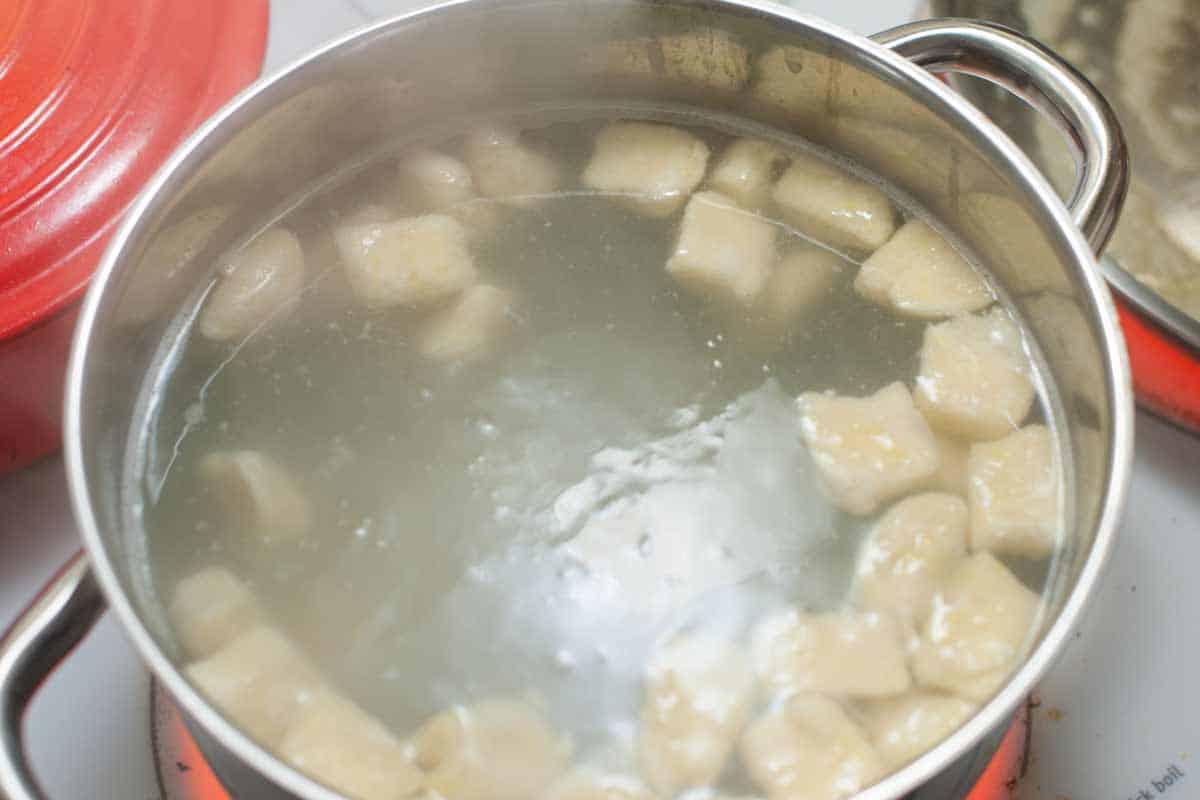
point(809, 748)
point(723, 252)
point(746, 171)
point(981, 617)
point(651, 168)
point(259, 283)
point(505, 168)
point(907, 554)
point(852, 654)
point(697, 695)
point(419, 262)
point(919, 274)
point(258, 494)
point(797, 287)
point(832, 206)
point(478, 322)
point(209, 609)
point(434, 181)
point(974, 381)
point(906, 727)
point(1013, 489)
point(868, 450)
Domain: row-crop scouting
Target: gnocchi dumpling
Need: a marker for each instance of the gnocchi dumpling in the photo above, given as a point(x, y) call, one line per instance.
point(588, 784)
point(260, 681)
point(974, 382)
point(697, 695)
point(337, 743)
point(868, 450)
point(832, 206)
point(723, 252)
point(433, 181)
point(258, 283)
point(1013, 489)
point(258, 493)
point(211, 608)
point(494, 750)
point(908, 553)
point(905, 727)
point(797, 286)
point(981, 618)
point(746, 171)
point(809, 749)
point(853, 654)
point(650, 168)
point(505, 168)
point(951, 475)
point(478, 322)
point(919, 274)
point(417, 262)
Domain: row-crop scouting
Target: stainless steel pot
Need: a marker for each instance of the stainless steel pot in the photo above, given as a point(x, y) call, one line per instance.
point(872, 99)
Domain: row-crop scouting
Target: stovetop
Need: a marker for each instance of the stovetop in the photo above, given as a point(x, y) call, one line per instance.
point(1116, 718)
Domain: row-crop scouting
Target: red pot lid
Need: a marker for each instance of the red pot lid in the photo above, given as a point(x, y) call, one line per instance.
point(94, 95)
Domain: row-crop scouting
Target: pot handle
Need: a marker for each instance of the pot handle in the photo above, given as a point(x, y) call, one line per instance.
point(1045, 81)
point(45, 633)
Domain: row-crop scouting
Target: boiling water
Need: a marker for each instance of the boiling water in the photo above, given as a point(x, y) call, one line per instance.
point(532, 524)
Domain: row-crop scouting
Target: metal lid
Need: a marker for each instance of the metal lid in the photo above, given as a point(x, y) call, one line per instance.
point(95, 95)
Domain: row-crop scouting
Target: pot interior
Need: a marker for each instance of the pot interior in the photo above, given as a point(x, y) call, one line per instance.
point(440, 72)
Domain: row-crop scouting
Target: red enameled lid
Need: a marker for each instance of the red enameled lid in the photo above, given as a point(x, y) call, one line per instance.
point(94, 95)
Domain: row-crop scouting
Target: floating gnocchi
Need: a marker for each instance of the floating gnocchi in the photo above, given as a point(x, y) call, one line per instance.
point(868, 449)
point(809, 749)
point(723, 252)
point(209, 609)
point(798, 285)
point(335, 742)
point(260, 681)
point(418, 262)
point(478, 322)
point(982, 616)
point(906, 727)
point(494, 750)
point(259, 283)
point(505, 168)
point(1013, 488)
point(434, 181)
point(919, 274)
point(840, 653)
point(974, 378)
point(258, 494)
point(832, 206)
point(697, 695)
point(648, 167)
point(746, 171)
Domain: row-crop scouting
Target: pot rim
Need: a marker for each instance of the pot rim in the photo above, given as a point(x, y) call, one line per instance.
point(939, 97)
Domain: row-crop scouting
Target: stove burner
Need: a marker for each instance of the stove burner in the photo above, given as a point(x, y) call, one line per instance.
point(183, 773)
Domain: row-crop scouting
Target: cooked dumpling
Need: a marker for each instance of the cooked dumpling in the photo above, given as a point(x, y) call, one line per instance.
point(974, 378)
point(723, 252)
point(258, 493)
point(919, 274)
point(211, 608)
point(1013, 488)
point(260, 681)
point(982, 616)
point(260, 282)
point(859, 655)
point(494, 750)
point(798, 285)
point(908, 553)
point(868, 449)
point(809, 749)
point(477, 323)
point(697, 695)
point(416, 262)
point(905, 727)
point(834, 207)
point(337, 743)
point(746, 171)
point(507, 169)
point(433, 181)
point(651, 168)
